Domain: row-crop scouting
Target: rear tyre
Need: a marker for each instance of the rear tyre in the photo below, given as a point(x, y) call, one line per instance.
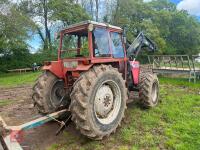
point(49, 94)
point(98, 101)
point(149, 89)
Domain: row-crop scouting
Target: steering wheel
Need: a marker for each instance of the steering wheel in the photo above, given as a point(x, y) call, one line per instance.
point(97, 52)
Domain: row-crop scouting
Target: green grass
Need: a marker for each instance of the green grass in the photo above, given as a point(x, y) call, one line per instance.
point(179, 82)
point(173, 124)
point(17, 79)
point(5, 102)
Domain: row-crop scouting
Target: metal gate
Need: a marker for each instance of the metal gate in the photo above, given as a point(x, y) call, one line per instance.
point(176, 64)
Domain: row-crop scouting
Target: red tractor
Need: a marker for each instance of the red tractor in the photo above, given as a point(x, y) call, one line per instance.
point(94, 77)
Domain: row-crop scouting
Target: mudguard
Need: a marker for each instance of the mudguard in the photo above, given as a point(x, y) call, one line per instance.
point(135, 70)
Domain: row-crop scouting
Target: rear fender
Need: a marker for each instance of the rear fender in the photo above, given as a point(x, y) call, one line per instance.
point(55, 67)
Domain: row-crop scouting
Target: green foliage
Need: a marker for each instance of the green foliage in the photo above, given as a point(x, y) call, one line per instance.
point(14, 32)
point(175, 32)
point(67, 11)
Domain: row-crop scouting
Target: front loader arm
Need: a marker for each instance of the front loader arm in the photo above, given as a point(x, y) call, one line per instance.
point(133, 50)
point(140, 42)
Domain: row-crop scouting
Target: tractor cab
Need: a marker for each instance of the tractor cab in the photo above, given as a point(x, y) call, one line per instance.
point(85, 44)
point(91, 40)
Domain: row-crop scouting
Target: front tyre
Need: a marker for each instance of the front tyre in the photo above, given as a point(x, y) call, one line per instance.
point(98, 101)
point(149, 89)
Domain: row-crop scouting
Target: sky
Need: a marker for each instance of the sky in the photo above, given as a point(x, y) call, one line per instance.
point(34, 43)
point(192, 6)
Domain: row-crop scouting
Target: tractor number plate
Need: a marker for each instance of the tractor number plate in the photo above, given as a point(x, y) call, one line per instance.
point(72, 64)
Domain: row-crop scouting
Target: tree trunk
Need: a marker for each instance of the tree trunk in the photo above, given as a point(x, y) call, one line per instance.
point(47, 31)
point(117, 8)
point(91, 8)
point(97, 9)
point(40, 34)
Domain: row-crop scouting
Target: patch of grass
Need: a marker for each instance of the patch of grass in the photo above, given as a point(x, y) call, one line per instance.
point(17, 79)
point(54, 146)
point(5, 102)
point(123, 148)
point(179, 82)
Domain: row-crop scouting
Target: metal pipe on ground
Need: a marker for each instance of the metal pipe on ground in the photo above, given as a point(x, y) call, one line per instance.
point(9, 134)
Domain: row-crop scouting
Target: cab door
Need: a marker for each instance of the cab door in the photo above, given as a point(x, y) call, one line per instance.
point(118, 51)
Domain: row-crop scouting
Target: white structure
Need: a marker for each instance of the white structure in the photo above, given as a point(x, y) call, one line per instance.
point(197, 59)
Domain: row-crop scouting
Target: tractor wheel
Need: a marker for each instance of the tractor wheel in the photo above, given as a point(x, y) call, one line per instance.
point(98, 101)
point(49, 94)
point(149, 89)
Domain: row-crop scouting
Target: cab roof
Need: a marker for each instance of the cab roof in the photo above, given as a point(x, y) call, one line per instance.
point(86, 23)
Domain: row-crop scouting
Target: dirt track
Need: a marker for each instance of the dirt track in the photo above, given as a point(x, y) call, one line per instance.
point(21, 110)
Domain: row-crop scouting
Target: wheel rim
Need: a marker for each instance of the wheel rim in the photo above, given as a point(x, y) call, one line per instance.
point(57, 93)
point(154, 92)
point(107, 102)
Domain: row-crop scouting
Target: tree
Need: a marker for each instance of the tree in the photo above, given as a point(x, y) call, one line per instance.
point(47, 13)
point(38, 10)
point(175, 32)
point(179, 30)
point(14, 50)
point(66, 12)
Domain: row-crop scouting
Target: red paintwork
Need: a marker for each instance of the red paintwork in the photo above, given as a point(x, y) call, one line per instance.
point(56, 68)
point(75, 74)
point(107, 60)
point(135, 69)
point(82, 67)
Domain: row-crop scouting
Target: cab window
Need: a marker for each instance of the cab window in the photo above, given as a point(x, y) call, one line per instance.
point(101, 43)
point(75, 45)
point(117, 47)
